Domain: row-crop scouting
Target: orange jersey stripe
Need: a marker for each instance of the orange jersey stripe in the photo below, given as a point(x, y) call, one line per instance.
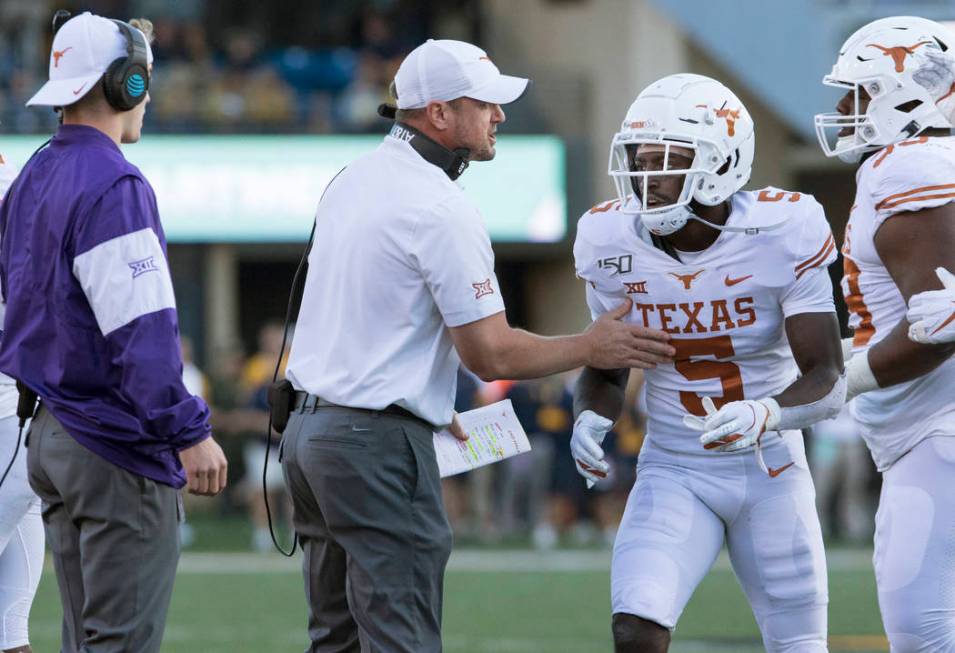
point(856, 304)
point(815, 258)
point(888, 150)
point(919, 198)
point(603, 208)
point(832, 246)
point(924, 189)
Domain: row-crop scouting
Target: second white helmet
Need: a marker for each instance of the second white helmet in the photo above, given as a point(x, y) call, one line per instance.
point(691, 112)
point(906, 65)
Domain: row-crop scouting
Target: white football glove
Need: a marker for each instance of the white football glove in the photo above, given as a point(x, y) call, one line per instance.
point(589, 432)
point(931, 314)
point(935, 73)
point(735, 426)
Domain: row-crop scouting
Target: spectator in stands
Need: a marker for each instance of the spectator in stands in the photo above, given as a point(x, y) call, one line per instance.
point(841, 468)
point(526, 488)
point(193, 378)
point(256, 377)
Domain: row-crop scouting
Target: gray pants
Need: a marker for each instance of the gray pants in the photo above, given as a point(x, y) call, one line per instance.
point(368, 511)
point(114, 537)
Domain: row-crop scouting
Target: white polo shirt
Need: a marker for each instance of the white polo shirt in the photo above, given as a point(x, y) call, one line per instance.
point(400, 255)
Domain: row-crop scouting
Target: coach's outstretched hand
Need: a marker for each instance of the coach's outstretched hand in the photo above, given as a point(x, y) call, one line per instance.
point(206, 468)
point(616, 344)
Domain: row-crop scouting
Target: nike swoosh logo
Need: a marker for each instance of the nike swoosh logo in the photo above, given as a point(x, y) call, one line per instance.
point(733, 282)
point(80, 89)
point(722, 442)
point(773, 473)
point(588, 468)
point(944, 324)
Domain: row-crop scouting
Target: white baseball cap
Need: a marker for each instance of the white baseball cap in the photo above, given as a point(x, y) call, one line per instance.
point(83, 49)
point(446, 70)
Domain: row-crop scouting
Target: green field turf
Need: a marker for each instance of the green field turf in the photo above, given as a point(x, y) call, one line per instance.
point(496, 603)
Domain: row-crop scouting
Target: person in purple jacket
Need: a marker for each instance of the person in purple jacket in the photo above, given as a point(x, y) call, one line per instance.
point(90, 326)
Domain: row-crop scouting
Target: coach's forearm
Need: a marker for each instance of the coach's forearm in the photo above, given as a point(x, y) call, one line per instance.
point(601, 391)
point(524, 355)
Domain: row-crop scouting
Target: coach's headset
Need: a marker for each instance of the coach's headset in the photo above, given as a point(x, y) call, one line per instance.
point(452, 162)
point(126, 80)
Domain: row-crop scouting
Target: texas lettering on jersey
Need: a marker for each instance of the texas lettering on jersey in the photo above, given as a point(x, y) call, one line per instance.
point(708, 316)
point(725, 307)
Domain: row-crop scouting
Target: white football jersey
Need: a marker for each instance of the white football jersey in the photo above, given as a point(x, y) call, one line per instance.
point(8, 393)
point(7, 174)
point(908, 176)
point(725, 306)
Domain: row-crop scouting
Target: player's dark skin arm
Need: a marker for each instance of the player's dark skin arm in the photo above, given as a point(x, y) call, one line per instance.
point(601, 391)
point(814, 340)
point(912, 245)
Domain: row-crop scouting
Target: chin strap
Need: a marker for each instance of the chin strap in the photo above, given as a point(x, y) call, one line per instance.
point(677, 216)
point(751, 231)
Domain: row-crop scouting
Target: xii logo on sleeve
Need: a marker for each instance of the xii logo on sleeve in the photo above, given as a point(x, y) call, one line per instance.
point(483, 288)
point(143, 266)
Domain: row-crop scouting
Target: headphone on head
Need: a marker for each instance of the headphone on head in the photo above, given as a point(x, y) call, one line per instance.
point(126, 80)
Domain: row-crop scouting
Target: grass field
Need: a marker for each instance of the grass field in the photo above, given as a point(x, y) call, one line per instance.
point(495, 602)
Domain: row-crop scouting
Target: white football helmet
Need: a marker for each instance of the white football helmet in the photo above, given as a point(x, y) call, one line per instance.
point(691, 112)
point(907, 67)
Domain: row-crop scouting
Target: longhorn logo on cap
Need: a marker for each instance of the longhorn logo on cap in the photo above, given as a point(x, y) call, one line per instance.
point(58, 54)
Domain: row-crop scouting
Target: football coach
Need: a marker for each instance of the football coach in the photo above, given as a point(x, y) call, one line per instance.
point(400, 290)
point(91, 327)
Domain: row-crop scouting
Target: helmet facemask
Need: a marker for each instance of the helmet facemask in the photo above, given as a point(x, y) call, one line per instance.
point(848, 147)
point(884, 121)
point(633, 184)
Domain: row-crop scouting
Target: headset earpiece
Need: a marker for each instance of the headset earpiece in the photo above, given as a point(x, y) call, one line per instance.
point(126, 81)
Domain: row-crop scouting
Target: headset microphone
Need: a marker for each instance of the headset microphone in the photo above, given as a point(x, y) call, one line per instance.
point(452, 162)
point(281, 395)
point(26, 407)
point(60, 17)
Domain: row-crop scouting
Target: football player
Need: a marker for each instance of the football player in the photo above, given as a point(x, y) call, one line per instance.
point(895, 121)
point(739, 279)
point(21, 528)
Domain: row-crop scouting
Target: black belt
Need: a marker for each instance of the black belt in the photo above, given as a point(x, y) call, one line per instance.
point(306, 403)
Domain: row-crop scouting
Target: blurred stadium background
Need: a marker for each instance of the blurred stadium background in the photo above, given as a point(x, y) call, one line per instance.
point(255, 105)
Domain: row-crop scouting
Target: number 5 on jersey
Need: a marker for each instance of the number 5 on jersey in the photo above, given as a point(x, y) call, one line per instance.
point(727, 372)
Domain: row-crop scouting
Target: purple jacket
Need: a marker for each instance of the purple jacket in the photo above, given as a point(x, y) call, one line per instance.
point(90, 322)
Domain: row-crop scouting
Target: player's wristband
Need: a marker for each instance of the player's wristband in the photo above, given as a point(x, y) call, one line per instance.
point(847, 349)
point(800, 416)
point(859, 376)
